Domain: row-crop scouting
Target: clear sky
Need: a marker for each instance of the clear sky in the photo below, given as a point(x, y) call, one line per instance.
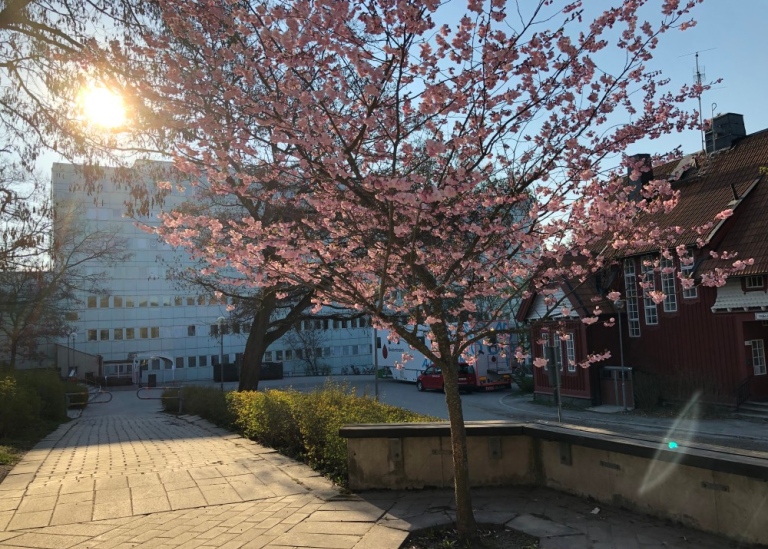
point(731, 37)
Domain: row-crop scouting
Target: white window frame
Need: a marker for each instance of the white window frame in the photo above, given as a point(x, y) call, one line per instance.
point(668, 285)
point(650, 308)
point(570, 352)
point(758, 357)
point(755, 282)
point(630, 293)
point(687, 272)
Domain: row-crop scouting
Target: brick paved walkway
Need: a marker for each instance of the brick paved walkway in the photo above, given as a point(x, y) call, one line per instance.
point(124, 476)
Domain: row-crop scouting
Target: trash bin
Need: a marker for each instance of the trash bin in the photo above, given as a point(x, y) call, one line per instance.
point(152, 380)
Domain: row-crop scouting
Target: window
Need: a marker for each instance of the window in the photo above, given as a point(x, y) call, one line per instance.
point(318, 352)
point(336, 324)
point(129, 333)
point(630, 293)
point(235, 328)
point(104, 335)
point(268, 356)
point(299, 354)
point(758, 356)
point(91, 335)
point(177, 301)
point(353, 323)
point(754, 283)
point(130, 301)
point(192, 361)
point(203, 360)
point(201, 300)
point(212, 300)
point(326, 351)
point(91, 301)
point(190, 301)
point(649, 305)
point(191, 330)
point(214, 330)
point(668, 285)
point(142, 301)
point(214, 360)
point(71, 316)
point(179, 361)
point(278, 355)
point(288, 354)
point(154, 332)
point(144, 333)
point(154, 301)
point(570, 353)
point(104, 302)
point(686, 271)
point(118, 334)
point(166, 301)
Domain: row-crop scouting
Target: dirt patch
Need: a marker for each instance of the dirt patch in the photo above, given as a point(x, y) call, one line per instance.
point(490, 536)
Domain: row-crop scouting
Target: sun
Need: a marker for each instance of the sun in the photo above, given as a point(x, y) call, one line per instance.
point(102, 107)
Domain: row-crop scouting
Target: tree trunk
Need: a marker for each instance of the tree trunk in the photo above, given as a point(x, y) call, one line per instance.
point(466, 526)
point(256, 345)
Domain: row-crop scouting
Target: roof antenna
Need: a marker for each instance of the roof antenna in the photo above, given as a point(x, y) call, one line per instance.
point(699, 77)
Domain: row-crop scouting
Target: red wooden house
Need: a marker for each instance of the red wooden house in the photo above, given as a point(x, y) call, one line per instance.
point(704, 339)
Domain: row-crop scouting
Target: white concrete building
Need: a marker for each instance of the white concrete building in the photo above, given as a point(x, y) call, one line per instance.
point(142, 311)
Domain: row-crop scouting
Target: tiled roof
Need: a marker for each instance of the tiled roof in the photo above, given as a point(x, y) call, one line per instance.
point(709, 189)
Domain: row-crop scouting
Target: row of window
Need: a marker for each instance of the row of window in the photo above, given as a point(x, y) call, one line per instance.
point(648, 281)
point(335, 350)
point(129, 301)
point(119, 334)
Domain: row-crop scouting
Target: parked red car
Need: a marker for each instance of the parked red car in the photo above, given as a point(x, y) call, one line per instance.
point(432, 378)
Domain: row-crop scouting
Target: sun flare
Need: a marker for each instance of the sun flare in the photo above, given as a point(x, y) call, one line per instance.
point(102, 107)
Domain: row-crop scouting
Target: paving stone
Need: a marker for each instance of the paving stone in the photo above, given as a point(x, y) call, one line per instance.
point(45, 541)
point(186, 498)
point(36, 519)
point(9, 504)
point(539, 527)
point(144, 505)
point(320, 541)
point(112, 496)
point(69, 513)
point(577, 541)
point(37, 503)
point(112, 509)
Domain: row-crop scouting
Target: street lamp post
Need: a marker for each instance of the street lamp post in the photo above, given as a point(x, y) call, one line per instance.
point(73, 335)
point(220, 320)
point(619, 304)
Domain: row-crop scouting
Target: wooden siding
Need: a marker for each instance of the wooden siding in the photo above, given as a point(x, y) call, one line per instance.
point(577, 384)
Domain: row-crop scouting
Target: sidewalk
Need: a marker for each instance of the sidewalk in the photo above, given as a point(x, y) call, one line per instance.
point(124, 475)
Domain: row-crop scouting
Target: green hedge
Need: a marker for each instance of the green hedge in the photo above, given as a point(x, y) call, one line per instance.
point(301, 425)
point(30, 398)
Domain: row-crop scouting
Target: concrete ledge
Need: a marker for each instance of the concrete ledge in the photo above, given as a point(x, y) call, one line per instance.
point(702, 486)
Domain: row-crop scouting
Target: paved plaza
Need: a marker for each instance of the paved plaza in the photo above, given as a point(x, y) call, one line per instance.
point(125, 475)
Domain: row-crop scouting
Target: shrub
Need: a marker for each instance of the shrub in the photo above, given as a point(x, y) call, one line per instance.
point(19, 406)
point(301, 425)
point(206, 402)
point(647, 389)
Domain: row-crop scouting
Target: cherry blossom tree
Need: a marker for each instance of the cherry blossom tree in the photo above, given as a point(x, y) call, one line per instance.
point(422, 166)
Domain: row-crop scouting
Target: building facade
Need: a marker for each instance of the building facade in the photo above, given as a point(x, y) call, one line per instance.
point(142, 311)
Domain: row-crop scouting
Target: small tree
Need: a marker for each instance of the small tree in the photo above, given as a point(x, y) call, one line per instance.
point(42, 278)
point(307, 346)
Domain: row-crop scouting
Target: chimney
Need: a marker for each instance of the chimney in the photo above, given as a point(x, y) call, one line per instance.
point(726, 128)
point(646, 173)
